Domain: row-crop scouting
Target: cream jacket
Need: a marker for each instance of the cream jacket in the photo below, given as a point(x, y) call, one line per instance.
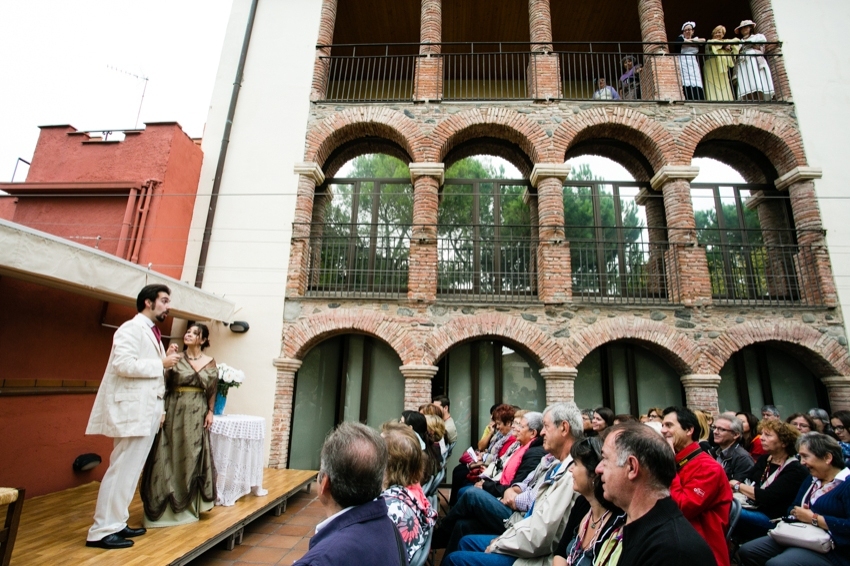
point(126, 400)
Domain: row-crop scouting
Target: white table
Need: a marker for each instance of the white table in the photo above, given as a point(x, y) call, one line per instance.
point(237, 450)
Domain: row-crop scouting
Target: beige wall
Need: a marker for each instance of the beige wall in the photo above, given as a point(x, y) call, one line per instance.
point(249, 249)
point(820, 84)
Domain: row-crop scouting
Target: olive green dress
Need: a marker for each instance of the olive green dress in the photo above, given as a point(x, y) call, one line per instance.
point(178, 482)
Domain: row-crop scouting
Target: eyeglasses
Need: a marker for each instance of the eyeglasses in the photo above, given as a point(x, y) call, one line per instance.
point(839, 428)
point(721, 429)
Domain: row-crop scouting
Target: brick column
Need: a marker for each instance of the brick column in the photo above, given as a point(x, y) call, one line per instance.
point(814, 272)
point(659, 79)
point(544, 76)
point(766, 24)
point(429, 65)
point(554, 279)
point(327, 22)
point(701, 392)
point(653, 206)
point(560, 384)
point(284, 397)
point(687, 268)
point(422, 264)
point(838, 388)
point(417, 385)
point(310, 177)
point(778, 242)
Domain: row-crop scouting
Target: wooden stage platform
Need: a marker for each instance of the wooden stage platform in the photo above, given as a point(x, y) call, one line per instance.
point(53, 527)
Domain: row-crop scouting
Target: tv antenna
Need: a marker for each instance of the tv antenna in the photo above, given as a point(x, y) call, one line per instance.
point(139, 77)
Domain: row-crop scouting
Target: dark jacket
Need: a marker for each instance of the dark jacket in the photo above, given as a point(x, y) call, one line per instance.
point(776, 499)
point(362, 535)
point(528, 464)
point(834, 507)
point(736, 462)
point(664, 537)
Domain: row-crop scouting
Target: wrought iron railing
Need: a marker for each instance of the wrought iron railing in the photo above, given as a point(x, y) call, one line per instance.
point(621, 272)
point(370, 73)
point(486, 264)
point(354, 260)
point(487, 71)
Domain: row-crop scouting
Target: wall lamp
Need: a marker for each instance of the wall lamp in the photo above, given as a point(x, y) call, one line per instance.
point(239, 326)
point(86, 462)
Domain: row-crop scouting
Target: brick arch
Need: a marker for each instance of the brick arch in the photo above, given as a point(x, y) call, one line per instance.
point(676, 348)
point(362, 146)
point(820, 352)
point(620, 124)
point(508, 151)
point(545, 350)
point(300, 337)
point(500, 123)
point(776, 137)
point(370, 122)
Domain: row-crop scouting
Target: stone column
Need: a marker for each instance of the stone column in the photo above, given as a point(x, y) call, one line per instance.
point(544, 76)
point(701, 392)
point(766, 24)
point(422, 270)
point(284, 397)
point(560, 384)
point(687, 268)
point(310, 177)
point(659, 79)
point(814, 272)
point(429, 64)
point(554, 279)
point(838, 388)
point(321, 67)
point(417, 385)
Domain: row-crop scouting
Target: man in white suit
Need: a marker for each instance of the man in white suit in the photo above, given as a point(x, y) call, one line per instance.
point(129, 408)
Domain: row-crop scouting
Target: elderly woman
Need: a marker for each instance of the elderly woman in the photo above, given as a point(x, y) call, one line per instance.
point(407, 505)
point(772, 483)
point(688, 63)
point(823, 501)
point(719, 61)
point(841, 427)
point(580, 547)
point(822, 422)
point(605, 91)
point(500, 441)
point(525, 456)
point(754, 79)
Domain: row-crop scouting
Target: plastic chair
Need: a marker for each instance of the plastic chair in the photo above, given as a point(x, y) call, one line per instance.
point(14, 498)
point(435, 482)
point(420, 557)
point(734, 515)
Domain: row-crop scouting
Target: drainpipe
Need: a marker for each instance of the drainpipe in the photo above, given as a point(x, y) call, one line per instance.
point(225, 141)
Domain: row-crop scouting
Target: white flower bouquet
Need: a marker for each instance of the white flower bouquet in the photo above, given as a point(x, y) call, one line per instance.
point(228, 377)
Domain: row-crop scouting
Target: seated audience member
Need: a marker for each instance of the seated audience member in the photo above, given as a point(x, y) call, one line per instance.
point(654, 414)
point(357, 530)
point(770, 412)
point(802, 422)
point(603, 417)
point(436, 435)
point(580, 545)
point(468, 470)
point(531, 538)
point(700, 487)
point(524, 460)
point(750, 441)
point(489, 430)
point(729, 453)
point(443, 403)
point(841, 427)
point(433, 458)
point(407, 505)
point(484, 511)
point(822, 422)
point(605, 91)
point(587, 421)
point(637, 468)
point(773, 482)
point(431, 409)
point(624, 418)
point(823, 500)
point(705, 420)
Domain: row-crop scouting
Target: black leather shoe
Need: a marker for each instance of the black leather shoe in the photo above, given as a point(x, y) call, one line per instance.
point(110, 542)
point(127, 532)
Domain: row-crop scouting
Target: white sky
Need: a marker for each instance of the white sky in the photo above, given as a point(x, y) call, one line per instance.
point(54, 58)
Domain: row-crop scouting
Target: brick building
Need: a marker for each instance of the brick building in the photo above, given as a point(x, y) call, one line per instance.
point(494, 290)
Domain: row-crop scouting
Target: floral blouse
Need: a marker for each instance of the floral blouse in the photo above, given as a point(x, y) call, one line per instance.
point(412, 514)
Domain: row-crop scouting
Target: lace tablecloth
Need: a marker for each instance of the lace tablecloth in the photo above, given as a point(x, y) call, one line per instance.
point(237, 449)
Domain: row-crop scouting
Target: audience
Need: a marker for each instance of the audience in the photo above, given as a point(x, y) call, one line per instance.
point(822, 422)
point(841, 427)
point(700, 487)
point(770, 412)
point(436, 434)
point(587, 421)
point(358, 530)
point(751, 441)
point(773, 482)
point(728, 452)
point(443, 403)
point(484, 441)
point(603, 417)
point(654, 414)
point(802, 422)
point(637, 468)
point(433, 458)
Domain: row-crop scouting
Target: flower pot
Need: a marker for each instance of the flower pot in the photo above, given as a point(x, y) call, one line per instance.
point(220, 400)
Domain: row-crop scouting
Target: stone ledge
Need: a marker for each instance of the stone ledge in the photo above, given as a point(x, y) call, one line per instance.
point(415, 371)
point(311, 169)
point(543, 170)
point(797, 175)
point(671, 172)
point(424, 169)
point(287, 364)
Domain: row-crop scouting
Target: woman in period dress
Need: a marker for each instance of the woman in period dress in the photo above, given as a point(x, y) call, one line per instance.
point(754, 79)
point(178, 483)
point(688, 63)
point(720, 59)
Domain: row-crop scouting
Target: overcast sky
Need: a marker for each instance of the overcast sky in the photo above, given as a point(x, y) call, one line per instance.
point(55, 57)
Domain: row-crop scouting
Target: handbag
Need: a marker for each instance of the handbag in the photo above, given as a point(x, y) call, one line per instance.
point(802, 535)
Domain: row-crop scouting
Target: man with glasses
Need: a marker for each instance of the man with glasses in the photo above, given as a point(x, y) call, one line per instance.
point(736, 461)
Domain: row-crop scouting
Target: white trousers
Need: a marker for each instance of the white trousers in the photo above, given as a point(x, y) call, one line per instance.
point(120, 480)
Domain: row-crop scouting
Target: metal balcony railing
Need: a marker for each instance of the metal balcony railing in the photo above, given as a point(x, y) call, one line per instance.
point(717, 72)
point(486, 264)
